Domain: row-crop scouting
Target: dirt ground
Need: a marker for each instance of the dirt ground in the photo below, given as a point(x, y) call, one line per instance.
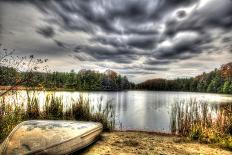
point(125, 143)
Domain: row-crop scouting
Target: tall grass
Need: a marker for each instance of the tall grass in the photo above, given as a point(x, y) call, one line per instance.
point(81, 110)
point(197, 122)
point(9, 117)
point(53, 109)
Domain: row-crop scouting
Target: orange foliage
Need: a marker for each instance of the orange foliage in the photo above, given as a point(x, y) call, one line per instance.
point(226, 71)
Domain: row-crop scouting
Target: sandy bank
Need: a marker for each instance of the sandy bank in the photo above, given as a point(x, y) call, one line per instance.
point(146, 143)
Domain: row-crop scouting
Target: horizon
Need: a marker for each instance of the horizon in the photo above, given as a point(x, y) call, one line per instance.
point(139, 39)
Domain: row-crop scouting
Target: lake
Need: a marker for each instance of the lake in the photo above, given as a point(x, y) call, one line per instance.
point(140, 110)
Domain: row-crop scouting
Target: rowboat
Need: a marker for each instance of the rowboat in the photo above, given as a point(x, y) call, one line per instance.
point(50, 137)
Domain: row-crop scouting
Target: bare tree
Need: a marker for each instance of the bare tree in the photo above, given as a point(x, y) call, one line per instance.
point(27, 64)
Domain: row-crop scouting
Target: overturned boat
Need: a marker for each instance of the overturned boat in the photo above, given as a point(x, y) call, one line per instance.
point(50, 137)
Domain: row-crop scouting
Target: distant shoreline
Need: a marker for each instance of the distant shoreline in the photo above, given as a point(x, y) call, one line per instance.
point(18, 88)
point(34, 88)
point(53, 89)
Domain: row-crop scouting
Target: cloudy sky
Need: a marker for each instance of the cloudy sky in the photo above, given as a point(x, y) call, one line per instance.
point(142, 39)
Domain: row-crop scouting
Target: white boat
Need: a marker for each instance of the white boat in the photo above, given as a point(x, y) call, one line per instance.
point(50, 137)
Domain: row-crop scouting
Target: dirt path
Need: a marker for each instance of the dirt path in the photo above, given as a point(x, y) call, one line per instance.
point(144, 143)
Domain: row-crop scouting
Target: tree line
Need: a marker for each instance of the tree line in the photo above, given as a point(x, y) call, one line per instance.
point(83, 80)
point(217, 81)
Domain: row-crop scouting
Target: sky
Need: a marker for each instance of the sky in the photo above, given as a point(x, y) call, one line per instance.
point(142, 39)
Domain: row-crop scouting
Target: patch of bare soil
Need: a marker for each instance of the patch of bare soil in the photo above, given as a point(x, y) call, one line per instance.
point(119, 143)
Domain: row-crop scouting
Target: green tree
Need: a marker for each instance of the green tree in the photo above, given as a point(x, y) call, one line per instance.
point(230, 88)
point(211, 88)
point(226, 87)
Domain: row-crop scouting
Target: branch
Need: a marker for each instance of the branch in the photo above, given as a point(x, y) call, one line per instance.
point(17, 84)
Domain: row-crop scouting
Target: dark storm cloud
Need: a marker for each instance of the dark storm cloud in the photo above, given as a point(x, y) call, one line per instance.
point(109, 40)
point(183, 46)
point(134, 18)
point(77, 49)
point(181, 13)
point(60, 44)
point(101, 53)
point(142, 42)
point(214, 15)
point(89, 16)
point(79, 57)
point(133, 41)
point(226, 39)
point(82, 57)
point(150, 32)
point(152, 61)
point(47, 31)
point(202, 20)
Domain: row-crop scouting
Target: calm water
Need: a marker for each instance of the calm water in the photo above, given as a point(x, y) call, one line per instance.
point(140, 110)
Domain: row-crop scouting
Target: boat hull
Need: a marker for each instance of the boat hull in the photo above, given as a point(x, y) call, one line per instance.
point(50, 137)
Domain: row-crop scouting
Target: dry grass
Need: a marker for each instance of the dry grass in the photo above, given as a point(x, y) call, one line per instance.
point(195, 121)
point(53, 109)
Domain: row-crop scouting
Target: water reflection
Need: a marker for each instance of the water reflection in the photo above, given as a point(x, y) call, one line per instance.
point(142, 110)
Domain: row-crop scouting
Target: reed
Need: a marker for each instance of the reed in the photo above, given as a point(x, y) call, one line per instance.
point(10, 115)
point(196, 121)
point(52, 109)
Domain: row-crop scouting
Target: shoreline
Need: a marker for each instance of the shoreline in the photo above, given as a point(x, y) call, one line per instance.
point(134, 142)
point(141, 142)
point(56, 89)
point(19, 88)
point(149, 132)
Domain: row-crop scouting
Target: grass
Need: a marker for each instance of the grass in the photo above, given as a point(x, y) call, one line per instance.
point(189, 119)
point(196, 121)
point(52, 109)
